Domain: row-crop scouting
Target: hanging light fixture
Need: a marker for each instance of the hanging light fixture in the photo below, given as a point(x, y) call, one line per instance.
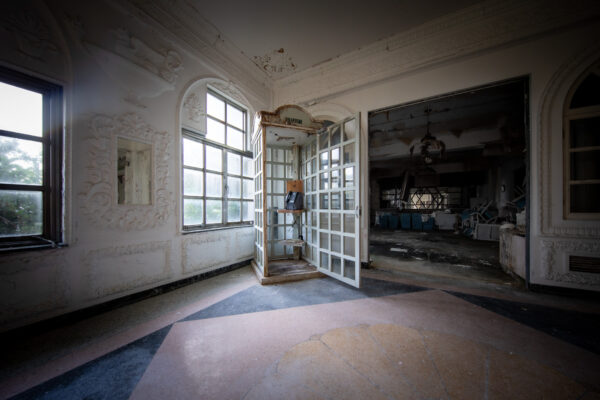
point(430, 146)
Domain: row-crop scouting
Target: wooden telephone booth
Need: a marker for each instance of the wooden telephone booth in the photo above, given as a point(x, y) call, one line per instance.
point(295, 153)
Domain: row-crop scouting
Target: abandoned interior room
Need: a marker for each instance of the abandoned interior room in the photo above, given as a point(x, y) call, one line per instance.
point(303, 200)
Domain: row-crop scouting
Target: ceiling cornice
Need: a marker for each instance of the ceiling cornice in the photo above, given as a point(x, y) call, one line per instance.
point(486, 25)
point(204, 42)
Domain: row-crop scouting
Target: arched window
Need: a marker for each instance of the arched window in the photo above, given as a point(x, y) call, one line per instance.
point(582, 147)
point(217, 174)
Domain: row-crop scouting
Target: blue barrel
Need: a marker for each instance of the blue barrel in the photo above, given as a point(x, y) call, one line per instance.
point(428, 225)
point(417, 223)
point(394, 222)
point(384, 221)
point(405, 221)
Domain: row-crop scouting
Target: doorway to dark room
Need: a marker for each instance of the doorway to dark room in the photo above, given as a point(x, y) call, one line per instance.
point(448, 185)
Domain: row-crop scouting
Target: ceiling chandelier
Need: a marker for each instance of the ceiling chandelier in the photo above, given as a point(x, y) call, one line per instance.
point(430, 147)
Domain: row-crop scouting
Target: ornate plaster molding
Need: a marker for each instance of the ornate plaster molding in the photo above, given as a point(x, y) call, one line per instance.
point(138, 67)
point(194, 107)
point(480, 27)
point(165, 63)
point(33, 38)
point(210, 240)
point(93, 258)
point(184, 24)
point(276, 63)
point(554, 260)
point(99, 196)
point(550, 128)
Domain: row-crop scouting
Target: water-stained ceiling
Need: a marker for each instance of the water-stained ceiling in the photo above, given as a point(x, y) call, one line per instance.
point(284, 37)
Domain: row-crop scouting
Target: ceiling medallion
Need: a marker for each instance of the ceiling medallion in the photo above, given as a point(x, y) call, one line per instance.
point(276, 62)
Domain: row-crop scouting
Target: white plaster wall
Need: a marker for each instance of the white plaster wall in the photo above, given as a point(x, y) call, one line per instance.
point(539, 58)
point(123, 74)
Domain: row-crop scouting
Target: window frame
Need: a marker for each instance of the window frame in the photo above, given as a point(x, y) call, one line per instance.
point(573, 114)
point(52, 140)
point(225, 150)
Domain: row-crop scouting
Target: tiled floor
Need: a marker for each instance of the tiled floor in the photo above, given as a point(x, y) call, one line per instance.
point(228, 338)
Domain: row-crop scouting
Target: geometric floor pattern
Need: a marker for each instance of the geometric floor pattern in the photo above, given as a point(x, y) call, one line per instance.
point(323, 339)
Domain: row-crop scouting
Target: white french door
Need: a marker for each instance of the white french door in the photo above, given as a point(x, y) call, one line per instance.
point(337, 202)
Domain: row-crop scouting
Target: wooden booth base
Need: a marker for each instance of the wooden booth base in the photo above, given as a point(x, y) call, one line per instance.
point(286, 271)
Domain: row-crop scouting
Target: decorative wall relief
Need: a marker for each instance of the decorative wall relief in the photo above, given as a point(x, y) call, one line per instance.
point(194, 108)
point(555, 260)
point(276, 63)
point(99, 196)
point(165, 63)
point(32, 36)
point(142, 70)
point(229, 89)
point(33, 283)
point(122, 268)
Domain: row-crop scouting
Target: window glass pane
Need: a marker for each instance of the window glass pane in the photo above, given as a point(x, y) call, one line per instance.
point(350, 129)
point(193, 153)
point(214, 211)
point(335, 179)
point(192, 182)
point(234, 188)
point(336, 200)
point(215, 107)
point(192, 211)
point(20, 161)
point(349, 243)
point(585, 165)
point(349, 267)
point(585, 132)
point(235, 117)
point(324, 140)
point(336, 222)
point(323, 220)
point(213, 186)
point(324, 240)
point(349, 153)
point(234, 164)
point(324, 260)
point(247, 189)
point(588, 92)
point(335, 136)
point(349, 177)
point(324, 201)
point(234, 212)
point(349, 223)
point(278, 155)
point(324, 181)
point(214, 158)
point(279, 187)
point(335, 157)
point(336, 265)
point(324, 160)
point(336, 243)
point(20, 213)
point(585, 198)
point(235, 138)
point(20, 110)
point(349, 200)
point(247, 164)
point(247, 208)
point(215, 131)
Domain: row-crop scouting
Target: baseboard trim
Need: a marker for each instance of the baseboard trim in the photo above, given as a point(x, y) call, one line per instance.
point(87, 312)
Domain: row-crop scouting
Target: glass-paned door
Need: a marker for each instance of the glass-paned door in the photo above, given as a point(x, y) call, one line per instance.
point(280, 226)
point(337, 208)
point(258, 147)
